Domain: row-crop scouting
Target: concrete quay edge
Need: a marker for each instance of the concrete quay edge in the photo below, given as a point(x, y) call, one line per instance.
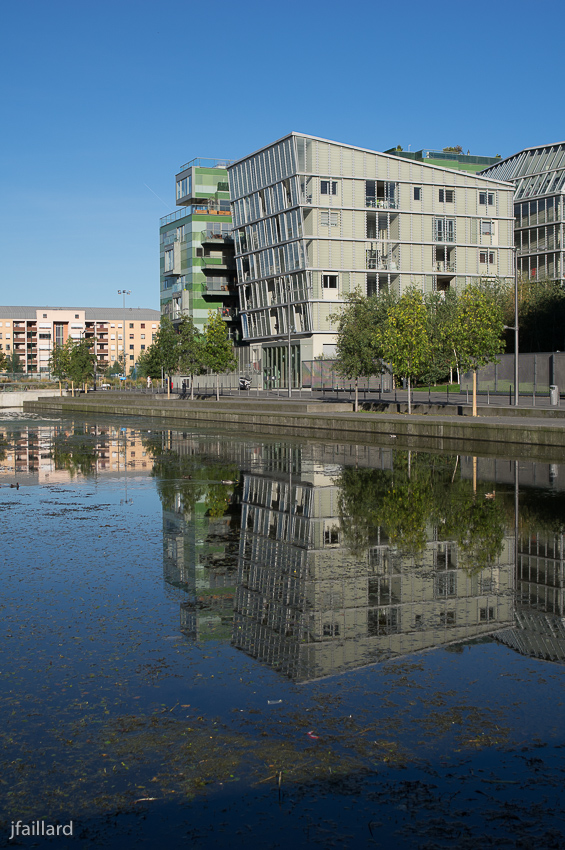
point(492, 435)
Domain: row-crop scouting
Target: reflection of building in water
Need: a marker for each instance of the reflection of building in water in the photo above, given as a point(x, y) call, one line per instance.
point(308, 607)
point(48, 454)
point(539, 619)
point(199, 560)
point(540, 605)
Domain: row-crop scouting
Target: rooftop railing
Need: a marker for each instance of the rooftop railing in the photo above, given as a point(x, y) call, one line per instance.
point(206, 162)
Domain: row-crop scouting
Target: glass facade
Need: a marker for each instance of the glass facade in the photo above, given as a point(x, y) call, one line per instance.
point(315, 220)
point(538, 175)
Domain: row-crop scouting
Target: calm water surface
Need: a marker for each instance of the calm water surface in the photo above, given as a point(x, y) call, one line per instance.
point(210, 642)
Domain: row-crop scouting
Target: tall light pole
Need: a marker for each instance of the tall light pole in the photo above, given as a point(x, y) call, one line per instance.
point(289, 366)
point(516, 384)
point(123, 293)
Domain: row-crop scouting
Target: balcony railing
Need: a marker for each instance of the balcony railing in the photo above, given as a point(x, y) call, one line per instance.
point(213, 236)
point(382, 203)
point(442, 266)
point(227, 313)
point(215, 287)
point(382, 263)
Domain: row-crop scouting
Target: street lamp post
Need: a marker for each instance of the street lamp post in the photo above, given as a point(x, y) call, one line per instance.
point(516, 384)
point(123, 293)
point(289, 366)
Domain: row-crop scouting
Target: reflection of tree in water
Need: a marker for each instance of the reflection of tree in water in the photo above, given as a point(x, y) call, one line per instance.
point(422, 491)
point(76, 452)
point(542, 511)
point(184, 480)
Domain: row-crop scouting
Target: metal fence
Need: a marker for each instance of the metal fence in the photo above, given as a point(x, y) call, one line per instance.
point(536, 373)
point(321, 375)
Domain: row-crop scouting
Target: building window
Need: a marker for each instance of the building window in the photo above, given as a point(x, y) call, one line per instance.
point(417, 193)
point(329, 281)
point(487, 228)
point(446, 196)
point(329, 219)
point(131, 324)
point(447, 618)
point(486, 614)
point(131, 357)
point(143, 324)
point(131, 336)
point(331, 629)
point(7, 347)
point(142, 335)
point(131, 348)
point(143, 348)
point(331, 536)
point(76, 316)
point(444, 229)
point(183, 187)
point(169, 260)
point(486, 257)
point(486, 198)
point(328, 187)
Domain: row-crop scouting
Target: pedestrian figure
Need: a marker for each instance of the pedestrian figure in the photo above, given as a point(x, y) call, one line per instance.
point(149, 382)
point(184, 389)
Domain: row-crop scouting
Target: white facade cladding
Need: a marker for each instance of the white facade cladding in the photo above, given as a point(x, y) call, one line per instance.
point(538, 176)
point(315, 220)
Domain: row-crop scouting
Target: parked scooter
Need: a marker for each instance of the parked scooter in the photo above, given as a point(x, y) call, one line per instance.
point(244, 383)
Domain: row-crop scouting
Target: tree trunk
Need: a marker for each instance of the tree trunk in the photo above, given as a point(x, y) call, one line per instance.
point(356, 394)
point(474, 392)
point(217, 387)
point(72, 389)
point(409, 400)
point(60, 388)
point(168, 386)
point(192, 387)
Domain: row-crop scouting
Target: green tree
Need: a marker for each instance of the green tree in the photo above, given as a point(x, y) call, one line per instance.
point(478, 329)
point(218, 349)
point(14, 364)
point(148, 363)
point(405, 338)
point(3, 362)
point(82, 361)
point(441, 309)
point(166, 349)
point(59, 362)
point(357, 354)
point(191, 350)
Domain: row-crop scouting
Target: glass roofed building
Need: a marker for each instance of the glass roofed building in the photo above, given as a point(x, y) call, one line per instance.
point(315, 220)
point(538, 175)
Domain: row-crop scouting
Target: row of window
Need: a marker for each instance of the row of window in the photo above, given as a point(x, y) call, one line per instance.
point(445, 196)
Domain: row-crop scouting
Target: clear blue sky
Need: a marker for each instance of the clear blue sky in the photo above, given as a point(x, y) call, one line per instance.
point(101, 100)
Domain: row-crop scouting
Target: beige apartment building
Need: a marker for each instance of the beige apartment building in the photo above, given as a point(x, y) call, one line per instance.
point(32, 332)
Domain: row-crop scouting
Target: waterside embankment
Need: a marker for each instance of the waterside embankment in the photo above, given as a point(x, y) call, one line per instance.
point(509, 431)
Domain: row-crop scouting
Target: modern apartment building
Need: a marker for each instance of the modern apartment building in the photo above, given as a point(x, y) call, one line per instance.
point(196, 247)
point(538, 177)
point(315, 220)
point(32, 332)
